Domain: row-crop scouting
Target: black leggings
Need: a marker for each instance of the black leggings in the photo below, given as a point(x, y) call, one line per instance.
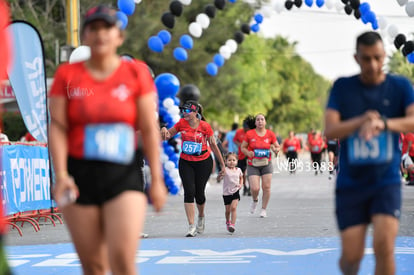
point(316, 158)
point(194, 176)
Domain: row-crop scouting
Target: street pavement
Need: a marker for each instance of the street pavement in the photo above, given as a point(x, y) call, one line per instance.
point(299, 236)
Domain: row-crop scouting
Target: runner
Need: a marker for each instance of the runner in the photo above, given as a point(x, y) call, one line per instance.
point(233, 180)
point(291, 147)
point(195, 163)
point(333, 145)
point(96, 106)
point(256, 146)
point(316, 145)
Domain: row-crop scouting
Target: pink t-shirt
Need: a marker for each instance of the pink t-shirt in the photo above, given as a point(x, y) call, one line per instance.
point(231, 180)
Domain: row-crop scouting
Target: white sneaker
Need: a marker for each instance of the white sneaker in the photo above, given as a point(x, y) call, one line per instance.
point(201, 224)
point(191, 231)
point(263, 213)
point(253, 207)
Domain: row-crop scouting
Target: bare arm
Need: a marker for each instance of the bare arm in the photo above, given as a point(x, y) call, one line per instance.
point(166, 134)
point(148, 125)
point(58, 145)
point(336, 128)
point(246, 151)
point(212, 141)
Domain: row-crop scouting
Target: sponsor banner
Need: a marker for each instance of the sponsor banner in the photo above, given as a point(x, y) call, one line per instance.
point(27, 78)
point(25, 179)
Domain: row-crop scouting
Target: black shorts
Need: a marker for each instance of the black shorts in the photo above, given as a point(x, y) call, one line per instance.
point(354, 207)
point(228, 199)
point(333, 148)
point(100, 181)
point(242, 164)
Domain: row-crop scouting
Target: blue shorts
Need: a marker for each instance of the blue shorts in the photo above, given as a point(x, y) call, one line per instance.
point(357, 206)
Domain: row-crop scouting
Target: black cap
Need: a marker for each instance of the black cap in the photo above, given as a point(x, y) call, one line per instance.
point(192, 105)
point(101, 12)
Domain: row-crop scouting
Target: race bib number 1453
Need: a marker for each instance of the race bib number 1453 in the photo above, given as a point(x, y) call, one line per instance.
point(378, 150)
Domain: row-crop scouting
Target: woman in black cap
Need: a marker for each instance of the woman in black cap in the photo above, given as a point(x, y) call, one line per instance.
point(96, 107)
point(195, 163)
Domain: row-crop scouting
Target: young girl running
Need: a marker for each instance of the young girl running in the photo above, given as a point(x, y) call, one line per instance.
point(233, 181)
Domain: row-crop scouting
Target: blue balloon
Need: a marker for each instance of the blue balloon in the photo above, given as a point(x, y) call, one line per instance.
point(127, 6)
point(370, 16)
point(167, 85)
point(364, 8)
point(180, 54)
point(186, 41)
point(309, 3)
point(162, 112)
point(410, 57)
point(364, 18)
point(155, 44)
point(212, 69)
point(320, 3)
point(255, 27)
point(374, 25)
point(123, 18)
point(258, 18)
point(232, 1)
point(169, 150)
point(173, 189)
point(176, 101)
point(165, 36)
point(218, 60)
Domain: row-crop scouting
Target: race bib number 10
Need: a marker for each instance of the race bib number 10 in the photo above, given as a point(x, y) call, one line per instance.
point(109, 142)
point(378, 150)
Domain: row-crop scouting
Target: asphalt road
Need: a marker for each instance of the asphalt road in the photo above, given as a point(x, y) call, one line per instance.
point(301, 205)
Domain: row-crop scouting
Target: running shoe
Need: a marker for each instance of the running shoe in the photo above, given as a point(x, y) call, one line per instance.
point(231, 228)
point(253, 207)
point(144, 235)
point(191, 231)
point(227, 225)
point(200, 225)
point(263, 213)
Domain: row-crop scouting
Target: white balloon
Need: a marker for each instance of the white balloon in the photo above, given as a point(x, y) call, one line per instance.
point(81, 53)
point(329, 4)
point(382, 23)
point(339, 6)
point(225, 52)
point(409, 9)
point(169, 165)
point(195, 29)
point(267, 12)
point(176, 118)
point(203, 20)
point(185, 2)
point(279, 6)
point(402, 2)
point(392, 31)
point(173, 110)
point(232, 45)
point(137, 1)
point(168, 102)
point(164, 157)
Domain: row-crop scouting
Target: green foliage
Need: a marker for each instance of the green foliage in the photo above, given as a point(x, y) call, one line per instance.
point(264, 75)
point(398, 64)
point(13, 126)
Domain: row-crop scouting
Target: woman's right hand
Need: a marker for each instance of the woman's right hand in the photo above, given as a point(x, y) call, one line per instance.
point(250, 154)
point(165, 134)
point(65, 191)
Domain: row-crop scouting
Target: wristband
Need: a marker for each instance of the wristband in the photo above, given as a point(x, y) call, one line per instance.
point(384, 119)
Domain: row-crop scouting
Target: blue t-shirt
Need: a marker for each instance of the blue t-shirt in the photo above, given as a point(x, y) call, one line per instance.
point(377, 162)
point(232, 147)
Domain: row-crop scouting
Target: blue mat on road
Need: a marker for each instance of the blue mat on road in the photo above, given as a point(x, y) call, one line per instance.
point(219, 256)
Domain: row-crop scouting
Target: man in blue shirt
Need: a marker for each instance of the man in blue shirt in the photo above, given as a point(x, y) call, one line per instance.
point(229, 139)
point(367, 112)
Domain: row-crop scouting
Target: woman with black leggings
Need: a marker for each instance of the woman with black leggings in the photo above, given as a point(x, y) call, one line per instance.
point(195, 163)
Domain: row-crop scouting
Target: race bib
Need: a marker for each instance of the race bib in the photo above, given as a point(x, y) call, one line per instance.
point(315, 149)
point(113, 142)
point(192, 148)
point(378, 150)
point(291, 148)
point(261, 153)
